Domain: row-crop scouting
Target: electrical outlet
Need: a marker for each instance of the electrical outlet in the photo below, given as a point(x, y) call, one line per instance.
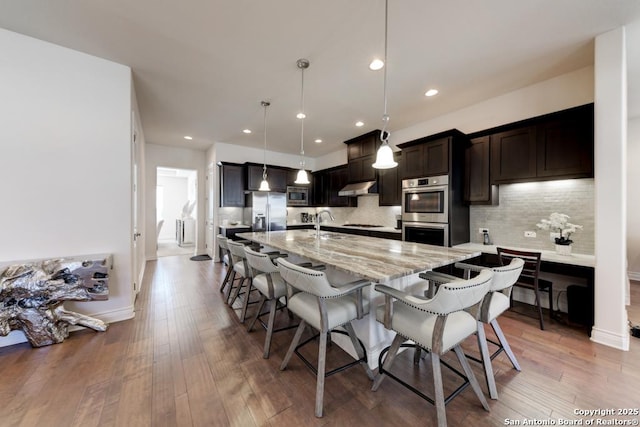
point(529, 234)
point(483, 230)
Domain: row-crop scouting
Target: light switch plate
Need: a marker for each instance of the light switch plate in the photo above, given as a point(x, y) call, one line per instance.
point(529, 234)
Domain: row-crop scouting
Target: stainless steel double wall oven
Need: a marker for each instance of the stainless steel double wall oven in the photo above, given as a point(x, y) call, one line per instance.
point(425, 210)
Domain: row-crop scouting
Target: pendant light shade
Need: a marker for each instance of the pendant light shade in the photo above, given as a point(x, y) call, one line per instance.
point(303, 177)
point(264, 184)
point(384, 157)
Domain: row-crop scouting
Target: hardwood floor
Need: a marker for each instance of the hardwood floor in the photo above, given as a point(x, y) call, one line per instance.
point(185, 360)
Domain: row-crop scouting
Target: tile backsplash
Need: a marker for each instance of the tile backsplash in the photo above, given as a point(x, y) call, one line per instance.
point(367, 212)
point(522, 206)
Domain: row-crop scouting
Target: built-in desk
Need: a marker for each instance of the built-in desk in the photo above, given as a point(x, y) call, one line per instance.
point(562, 270)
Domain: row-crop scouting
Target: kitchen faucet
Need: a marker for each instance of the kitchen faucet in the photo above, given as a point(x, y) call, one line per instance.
point(318, 215)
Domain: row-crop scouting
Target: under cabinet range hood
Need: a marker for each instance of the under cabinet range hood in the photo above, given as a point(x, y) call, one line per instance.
point(359, 189)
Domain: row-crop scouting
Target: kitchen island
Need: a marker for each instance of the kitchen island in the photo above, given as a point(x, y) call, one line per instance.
point(374, 259)
point(350, 257)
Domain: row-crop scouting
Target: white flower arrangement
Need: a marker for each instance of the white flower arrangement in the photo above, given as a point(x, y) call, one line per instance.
point(559, 223)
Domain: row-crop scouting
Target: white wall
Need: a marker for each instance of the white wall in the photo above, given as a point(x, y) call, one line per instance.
point(231, 153)
point(179, 158)
point(175, 196)
point(633, 198)
point(65, 161)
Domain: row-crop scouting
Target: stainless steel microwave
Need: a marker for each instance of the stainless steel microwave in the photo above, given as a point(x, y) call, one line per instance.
point(297, 196)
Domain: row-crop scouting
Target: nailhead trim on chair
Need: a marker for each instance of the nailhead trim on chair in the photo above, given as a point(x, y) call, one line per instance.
point(448, 288)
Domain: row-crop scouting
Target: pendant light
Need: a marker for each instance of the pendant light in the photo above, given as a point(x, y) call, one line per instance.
point(264, 184)
point(303, 177)
point(384, 157)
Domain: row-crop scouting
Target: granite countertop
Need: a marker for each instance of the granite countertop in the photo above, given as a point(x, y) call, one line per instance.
point(573, 259)
point(229, 226)
point(375, 259)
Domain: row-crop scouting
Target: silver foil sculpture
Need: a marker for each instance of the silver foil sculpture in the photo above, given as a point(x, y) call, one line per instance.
point(32, 296)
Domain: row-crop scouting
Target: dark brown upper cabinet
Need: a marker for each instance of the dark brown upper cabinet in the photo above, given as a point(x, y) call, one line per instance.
point(232, 183)
point(361, 154)
point(513, 155)
point(565, 145)
point(389, 184)
point(338, 177)
point(430, 156)
point(319, 188)
point(276, 176)
point(477, 188)
point(554, 146)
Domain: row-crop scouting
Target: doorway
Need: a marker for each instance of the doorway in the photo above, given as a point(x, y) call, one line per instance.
point(176, 211)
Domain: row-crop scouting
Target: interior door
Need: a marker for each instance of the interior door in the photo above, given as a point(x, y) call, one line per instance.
point(137, 241)
point(209, 245)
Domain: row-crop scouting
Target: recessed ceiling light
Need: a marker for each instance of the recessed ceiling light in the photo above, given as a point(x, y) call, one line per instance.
point(359, 124)
point(301, 115)
point(188, 137)
point(376, 64)
point(318, 141)
point(247, 131)
point(431, 92)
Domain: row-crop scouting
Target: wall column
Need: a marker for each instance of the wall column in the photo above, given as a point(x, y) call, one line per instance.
point(610, 326)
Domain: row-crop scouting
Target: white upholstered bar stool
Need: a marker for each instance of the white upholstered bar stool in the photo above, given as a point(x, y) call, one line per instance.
point(324, 307)
point(244, 273)
point(496, 302)
point(436, 325)
point(267, 279)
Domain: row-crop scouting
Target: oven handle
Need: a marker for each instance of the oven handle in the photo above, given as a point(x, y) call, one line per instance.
point(439, 225)
point(410, 190)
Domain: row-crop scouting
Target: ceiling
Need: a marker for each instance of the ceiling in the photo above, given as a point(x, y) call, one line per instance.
point(201, 67)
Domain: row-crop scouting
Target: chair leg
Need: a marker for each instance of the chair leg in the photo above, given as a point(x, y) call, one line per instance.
point(486, 361)
point(294, 344)
point(273, 305)
point(470, 376)
point(359, 350)
point(232, 278)
point(388, 361)
point(551, 301)
point(226, 278)
point(245, 303)
point(237, 292)
point(322, 360)
point(438, 390)
point(537, 292)
point(505, 344)
point(263, 299)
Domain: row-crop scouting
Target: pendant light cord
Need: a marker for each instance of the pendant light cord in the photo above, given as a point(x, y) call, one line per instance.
point(302, 118)
point(384, 135)
point(265, 104)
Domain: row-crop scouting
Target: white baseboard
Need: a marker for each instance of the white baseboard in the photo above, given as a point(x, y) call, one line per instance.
point(634, 275)
point(619, 341)
point(112, 316)
point(14, 337)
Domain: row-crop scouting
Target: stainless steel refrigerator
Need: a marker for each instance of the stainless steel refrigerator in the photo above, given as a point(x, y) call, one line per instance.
point(266, 211)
